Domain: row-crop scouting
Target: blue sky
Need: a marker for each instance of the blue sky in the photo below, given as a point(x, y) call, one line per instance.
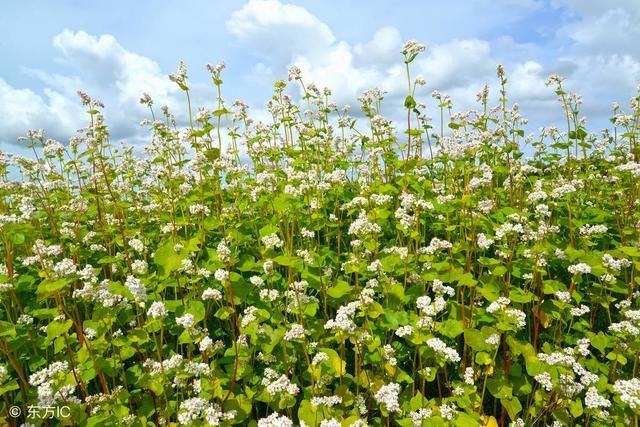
point(116, 50)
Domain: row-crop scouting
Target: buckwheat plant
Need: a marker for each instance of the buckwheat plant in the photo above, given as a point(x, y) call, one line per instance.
point(325, 267)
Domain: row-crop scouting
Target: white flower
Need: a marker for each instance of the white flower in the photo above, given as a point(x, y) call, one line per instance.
point(199, 209)
point(272, 241)
point(137, 245)
point(223, 251)
point(24, 319)
point(248, 316)
point(614, 264)
point(562, 296)
point(362, 226)
point(583, 346)
point(64, 268)
point(579, 311)
point(518, 316)
point(196, 407)
point(389, 354)
point(211, 294)
point(139, 266)
point(412, 48)
point(483, 241)
point(206, 344)
point(256, 280)
point(593, 400)
point(221, 275)
point(417, 417)
point(4, 373)
point(275, 420)
point(344, 318)
point(326, 400)
point(319, 358)
point(276, 383)
point(468, 376)
point(545, 380)
point(267, 266)
point(441, 348)
point(269, 294)
point(624, 327)
point(187, 321)
point(137, 289)
point(498, 305)
point(404, 331)
point(493, 339)
point(157, 310)
point(296, 332)
point(448, 411)
point(387, 395)
point(589, 230)
point(580, 268)
point(628, 391)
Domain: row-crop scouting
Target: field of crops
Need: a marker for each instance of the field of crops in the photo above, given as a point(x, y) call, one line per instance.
point(325, 268)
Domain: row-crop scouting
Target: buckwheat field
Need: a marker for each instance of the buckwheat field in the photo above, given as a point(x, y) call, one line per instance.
point(448, 269)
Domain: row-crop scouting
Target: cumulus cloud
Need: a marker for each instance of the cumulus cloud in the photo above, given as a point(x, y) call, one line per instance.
point(382, 49)
point(603, 59)
point(115, 75)
point(275, 30)
point(595, 48)
point(107, 62)
point(105, 69)
point(23, 109)
point(280, 31)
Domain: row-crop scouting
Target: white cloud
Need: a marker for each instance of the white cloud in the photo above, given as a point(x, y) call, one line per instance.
point(338, 71)
point(457, 63)
point(105, 62)
point(601, 58)
point(23, 109)
point(105, 70)
point(382, 49)
point(459, 67)
point(594, 46)
point(610, 31)
point(527, 83)
point(280, 31)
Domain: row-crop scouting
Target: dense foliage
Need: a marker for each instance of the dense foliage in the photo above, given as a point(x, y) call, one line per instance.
point(325, 271)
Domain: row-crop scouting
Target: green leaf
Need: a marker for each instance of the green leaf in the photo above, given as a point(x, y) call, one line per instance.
point(167, 259)
point(450, 328)
point(338, 365)
point(409, 103)
point(499, 388)
point(7, 329)
point(599, 341)
point(309, 414)
point(17, 238)
point(483, 358)
point(49, 288)
point(9, 386)
point(512, 406)
point(57, 328)
point(286, 260)
point(575, 407)
point(465, 420)
point(339, 290)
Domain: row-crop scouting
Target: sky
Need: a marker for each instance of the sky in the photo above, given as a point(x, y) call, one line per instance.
point(119, 49)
